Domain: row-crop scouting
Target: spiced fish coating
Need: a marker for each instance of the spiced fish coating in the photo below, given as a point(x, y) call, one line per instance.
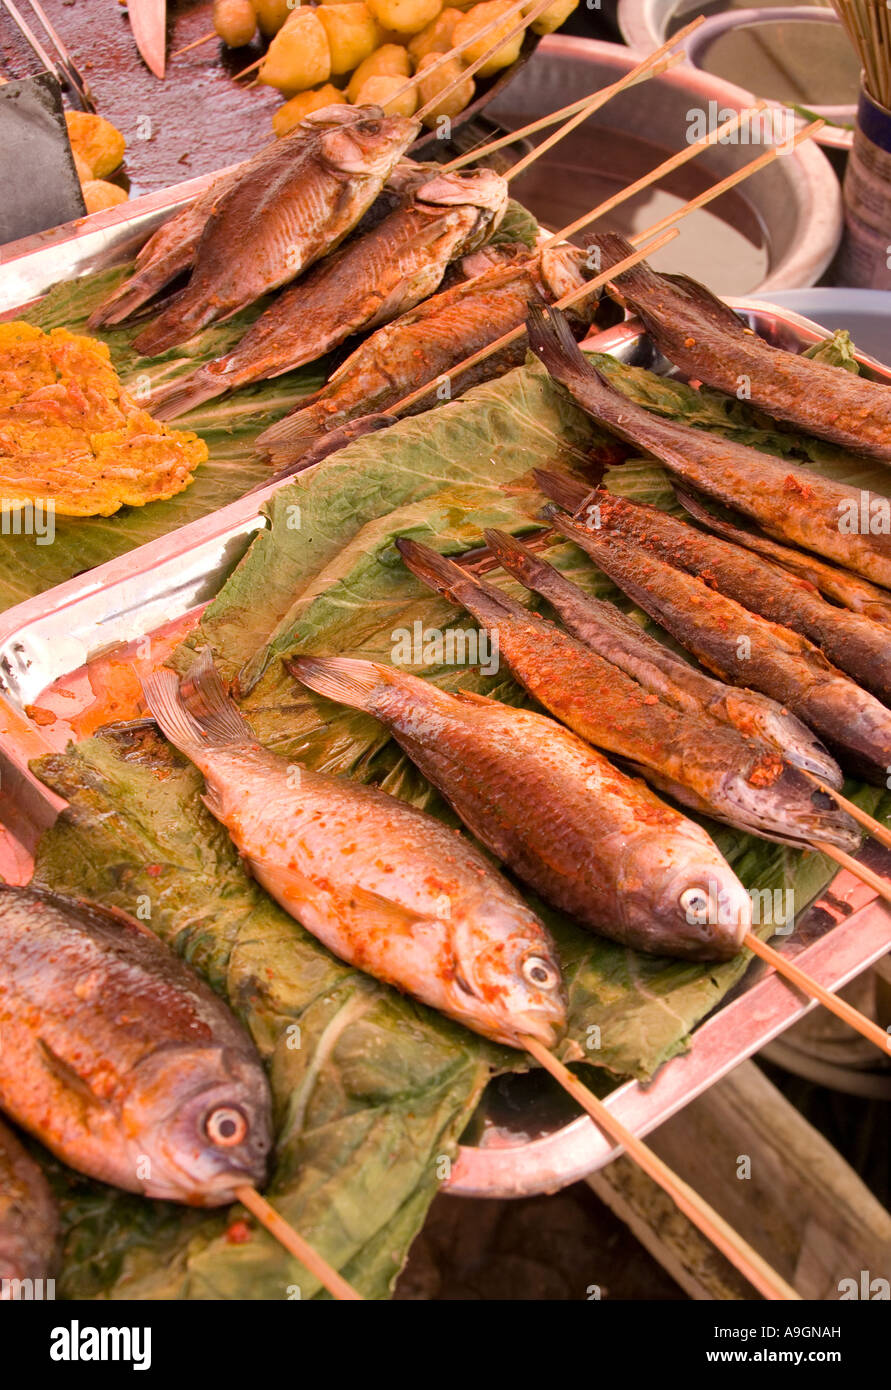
point(788, 501)
point(709, 343)
point(617, 638)
point(592, 841)
point(853, 643)
point(120, 1060)
point(386, 887)
point(171, 249)
point(267, 229)
point(743, 648)
point(372, 278)
point(427, 342)
point(844, 588)
point(29, 1220)
point(709, 767)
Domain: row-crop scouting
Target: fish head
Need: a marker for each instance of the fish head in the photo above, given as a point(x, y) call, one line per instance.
point(367, 147)
point(201, 1124)
point(690, 904)
point(479, 189)
point(506, 978)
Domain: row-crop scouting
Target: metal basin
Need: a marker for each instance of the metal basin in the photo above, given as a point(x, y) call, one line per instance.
point(778, 230)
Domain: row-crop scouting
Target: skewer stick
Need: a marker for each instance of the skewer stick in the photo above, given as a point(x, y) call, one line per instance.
point(195, 44)
point(854, 866)
point(482, 151)
point(776, 152)
point(876, 829)
point(507, 338)
point(471, 68)
point(277, 1226)
point(731, 1245)
point(846, 1012)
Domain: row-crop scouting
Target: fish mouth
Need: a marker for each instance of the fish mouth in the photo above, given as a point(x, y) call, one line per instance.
point(706, 914)
point(796, 815)
point(540, 1024)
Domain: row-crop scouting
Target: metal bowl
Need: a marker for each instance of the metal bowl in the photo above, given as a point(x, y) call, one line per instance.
point(793, 206)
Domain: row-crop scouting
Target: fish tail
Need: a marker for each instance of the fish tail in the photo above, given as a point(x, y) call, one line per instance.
point(613, 248)
point(184, 315)
point(566, 491)
point(294, 434)
point(128, 298)
point(177, 397)
point(195, 714)
point(345, 679)
point(550, 338)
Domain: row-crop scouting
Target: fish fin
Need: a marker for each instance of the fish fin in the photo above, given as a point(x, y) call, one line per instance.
point(568, 492)
point(66, 1075)
point(437, 571)
point(195, 714)
point(179, 396)
point(293, 435)
point(183, 315)
point(345, 679)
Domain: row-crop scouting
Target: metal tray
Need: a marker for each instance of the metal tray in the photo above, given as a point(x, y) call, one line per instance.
point(525, 1142)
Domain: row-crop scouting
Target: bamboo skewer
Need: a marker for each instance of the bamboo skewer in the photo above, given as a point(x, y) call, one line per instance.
point(854, 866)
point(808, 985)
point(471, 68)
point(876, 829)
point(483, 151)
point(197, 43)
point(285, 1234)
point(734, 1248)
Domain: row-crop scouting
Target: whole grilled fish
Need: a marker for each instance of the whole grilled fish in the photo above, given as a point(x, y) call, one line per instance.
point(171, 249)
point(613, 635)
point(845, 588)
point(709, 343)
point(791, 502)
point(853, 643)
point(266, 229)
point(120, 1060)
point(741, 647)
point(29, 1220)
point(381, 884)
point(373, 277)
point(424, 344)
point(595, 843)
point(708, 766)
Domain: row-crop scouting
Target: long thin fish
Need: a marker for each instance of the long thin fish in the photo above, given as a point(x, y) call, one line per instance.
point(787, 500)
point(614, 636)
point(853, 643)
point(383, 885)
point(427, 342)
point(120, 1060)
point(592, 841)
point(708, 766)
point(745, 649)
point(29, 1219)
point(375, 276)
point(268, 228)
point(845, 588)
point(709, 343)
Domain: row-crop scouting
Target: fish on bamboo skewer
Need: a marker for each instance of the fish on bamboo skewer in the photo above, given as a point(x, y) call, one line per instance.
point(424, 344)
point(745, 649)
point(373, 277)
point(383, 885)
point(710, 343)
point(29, 1219)
point(265, 230)
point(171, 249)
point(787, 500)
point(587, 838)
point(854, 643)
point(845, 588)
point(710, 767)
point(180, 1085)
point(617, 638)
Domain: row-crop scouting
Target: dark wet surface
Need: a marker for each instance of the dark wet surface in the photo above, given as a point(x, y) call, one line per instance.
point(197, 120)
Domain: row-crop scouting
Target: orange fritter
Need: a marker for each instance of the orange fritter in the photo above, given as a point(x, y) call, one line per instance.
point(70, 435)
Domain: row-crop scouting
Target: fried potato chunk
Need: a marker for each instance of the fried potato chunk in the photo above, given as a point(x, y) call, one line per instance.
point(98, 143)
point(70, 435)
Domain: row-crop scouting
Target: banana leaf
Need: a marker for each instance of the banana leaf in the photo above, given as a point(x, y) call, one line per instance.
point(379, 1090)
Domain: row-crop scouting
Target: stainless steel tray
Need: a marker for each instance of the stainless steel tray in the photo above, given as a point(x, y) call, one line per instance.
point(50, 636)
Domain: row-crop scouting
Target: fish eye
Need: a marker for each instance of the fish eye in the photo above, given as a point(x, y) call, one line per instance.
point(539, 972)
point(694, 903)
point(371, 127)
point(226, 1126)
